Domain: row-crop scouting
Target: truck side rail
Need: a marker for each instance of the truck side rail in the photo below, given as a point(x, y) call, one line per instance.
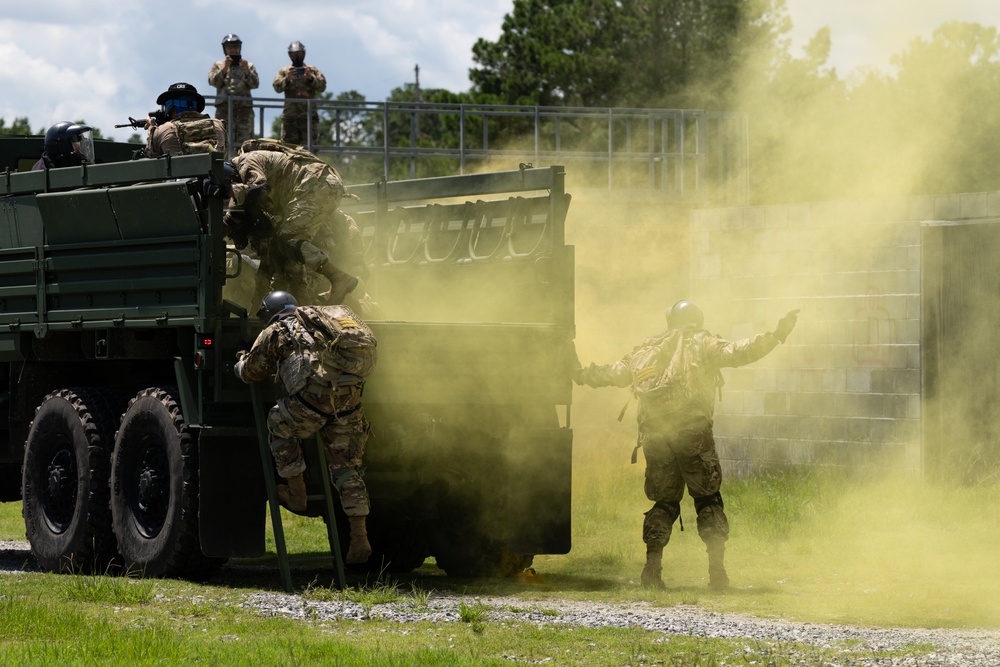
point(130, 244)
point(473, 248)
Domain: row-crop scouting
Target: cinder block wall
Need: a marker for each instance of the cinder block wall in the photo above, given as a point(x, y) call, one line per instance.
point(845, 389)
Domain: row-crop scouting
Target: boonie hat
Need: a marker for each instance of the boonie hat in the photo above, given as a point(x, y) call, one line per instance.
point(178, 90)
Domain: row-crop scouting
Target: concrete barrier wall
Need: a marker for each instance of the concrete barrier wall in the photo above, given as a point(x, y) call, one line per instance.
point(845, 389)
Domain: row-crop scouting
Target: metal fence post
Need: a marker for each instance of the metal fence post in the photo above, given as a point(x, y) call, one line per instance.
point(611, 147)
point(461, 139)
point(385, 138)
point(538, 131)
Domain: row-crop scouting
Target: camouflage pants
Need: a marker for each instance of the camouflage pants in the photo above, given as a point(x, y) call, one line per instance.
point(243, 118)
point(673, 461)
point(294, 128)
point(343, 437)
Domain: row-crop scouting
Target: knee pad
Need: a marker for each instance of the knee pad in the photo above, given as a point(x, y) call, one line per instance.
point(712, 521)
point(704, 501)
point(658, 524)
point(671, 507)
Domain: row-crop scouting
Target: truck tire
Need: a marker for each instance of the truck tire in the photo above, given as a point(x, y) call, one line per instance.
point(64, 483)
point(154, 490)
point(471, 554)
point(397, 546)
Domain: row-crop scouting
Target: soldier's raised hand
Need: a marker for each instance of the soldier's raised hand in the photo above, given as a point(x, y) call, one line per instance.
point(785, 325)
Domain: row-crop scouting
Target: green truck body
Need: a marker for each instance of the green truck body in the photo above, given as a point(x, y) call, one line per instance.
point(130, 440)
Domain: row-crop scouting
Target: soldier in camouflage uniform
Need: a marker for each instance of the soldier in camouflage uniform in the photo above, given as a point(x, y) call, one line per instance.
point(234, 77)
point(328, 407)
point(299, 81)
point(311, 237)
point(187, 130)
point(678, 444)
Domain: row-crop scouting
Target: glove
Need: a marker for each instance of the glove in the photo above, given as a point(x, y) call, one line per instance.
point(577, 371)
point(369, 307)
point(240, 360)
point(785, 325)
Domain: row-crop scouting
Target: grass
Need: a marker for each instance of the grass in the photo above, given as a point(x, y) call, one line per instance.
point(810, 546)
point(201, 624)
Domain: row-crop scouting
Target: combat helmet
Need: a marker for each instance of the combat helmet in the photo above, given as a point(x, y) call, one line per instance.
point(231, 38)
point(276, 305)
point(183, 97)
point(685, 316)
point(59, 141)
point(297, 47)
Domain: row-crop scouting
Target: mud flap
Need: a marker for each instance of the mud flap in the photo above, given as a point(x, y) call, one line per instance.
point(233, 498)
point(539, 500)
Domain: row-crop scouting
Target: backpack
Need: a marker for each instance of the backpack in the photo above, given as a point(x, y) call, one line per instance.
point(278, 146)
point(197, 135)
point(332, 342)
point(662, 374)
point(321, 170)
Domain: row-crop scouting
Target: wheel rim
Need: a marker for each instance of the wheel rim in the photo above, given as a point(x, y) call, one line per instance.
point(149, 494)
point(59, 496)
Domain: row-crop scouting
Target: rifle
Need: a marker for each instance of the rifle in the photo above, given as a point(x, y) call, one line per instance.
point(159, 116)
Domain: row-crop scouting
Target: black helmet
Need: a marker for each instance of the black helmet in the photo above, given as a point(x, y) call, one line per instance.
point(230, 173)
point(183, 93)
point(59, 143)
point(296, 47)
point(685, 315)
point(231, 38)
point(276, 305)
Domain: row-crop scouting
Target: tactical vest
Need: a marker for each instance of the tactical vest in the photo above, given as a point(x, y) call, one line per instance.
point(197, 135)
point(333, 346)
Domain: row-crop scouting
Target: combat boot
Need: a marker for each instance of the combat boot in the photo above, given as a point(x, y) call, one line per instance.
point(294, 495)
point(653, 569)
point(341, 283)
point(718, 580)
point(359, 549)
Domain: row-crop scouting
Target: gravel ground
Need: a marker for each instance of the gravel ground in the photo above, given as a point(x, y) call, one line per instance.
point(966, 648)
point(972, 648)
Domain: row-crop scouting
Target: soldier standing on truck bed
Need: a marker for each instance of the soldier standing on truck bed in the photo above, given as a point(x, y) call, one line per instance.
point(299, 81)
point(233, 76)
point(295, 196)
point(66, 145)
point(322, 355)
point(187, 130)
point(676, 375)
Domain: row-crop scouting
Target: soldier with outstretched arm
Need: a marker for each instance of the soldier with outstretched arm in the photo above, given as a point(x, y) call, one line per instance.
point(676, 376)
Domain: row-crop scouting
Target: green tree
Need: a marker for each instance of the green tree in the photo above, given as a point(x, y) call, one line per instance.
point(20, 127)
point(555, 52)
point(927, 127)
point(645, 53)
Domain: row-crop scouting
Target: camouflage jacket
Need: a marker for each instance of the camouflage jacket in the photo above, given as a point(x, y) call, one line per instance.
point(189, 132)
point(306, 85)
point(709, 352)
point(236, 82)
point(288, 337)
point(300, 190)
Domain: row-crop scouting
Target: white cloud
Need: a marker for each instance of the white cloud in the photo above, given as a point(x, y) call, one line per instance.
point(111, 60)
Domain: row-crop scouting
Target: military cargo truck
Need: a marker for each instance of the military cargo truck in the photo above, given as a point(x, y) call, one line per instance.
point(132, 444)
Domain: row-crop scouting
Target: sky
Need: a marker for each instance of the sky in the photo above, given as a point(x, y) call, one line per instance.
point(111, 60)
